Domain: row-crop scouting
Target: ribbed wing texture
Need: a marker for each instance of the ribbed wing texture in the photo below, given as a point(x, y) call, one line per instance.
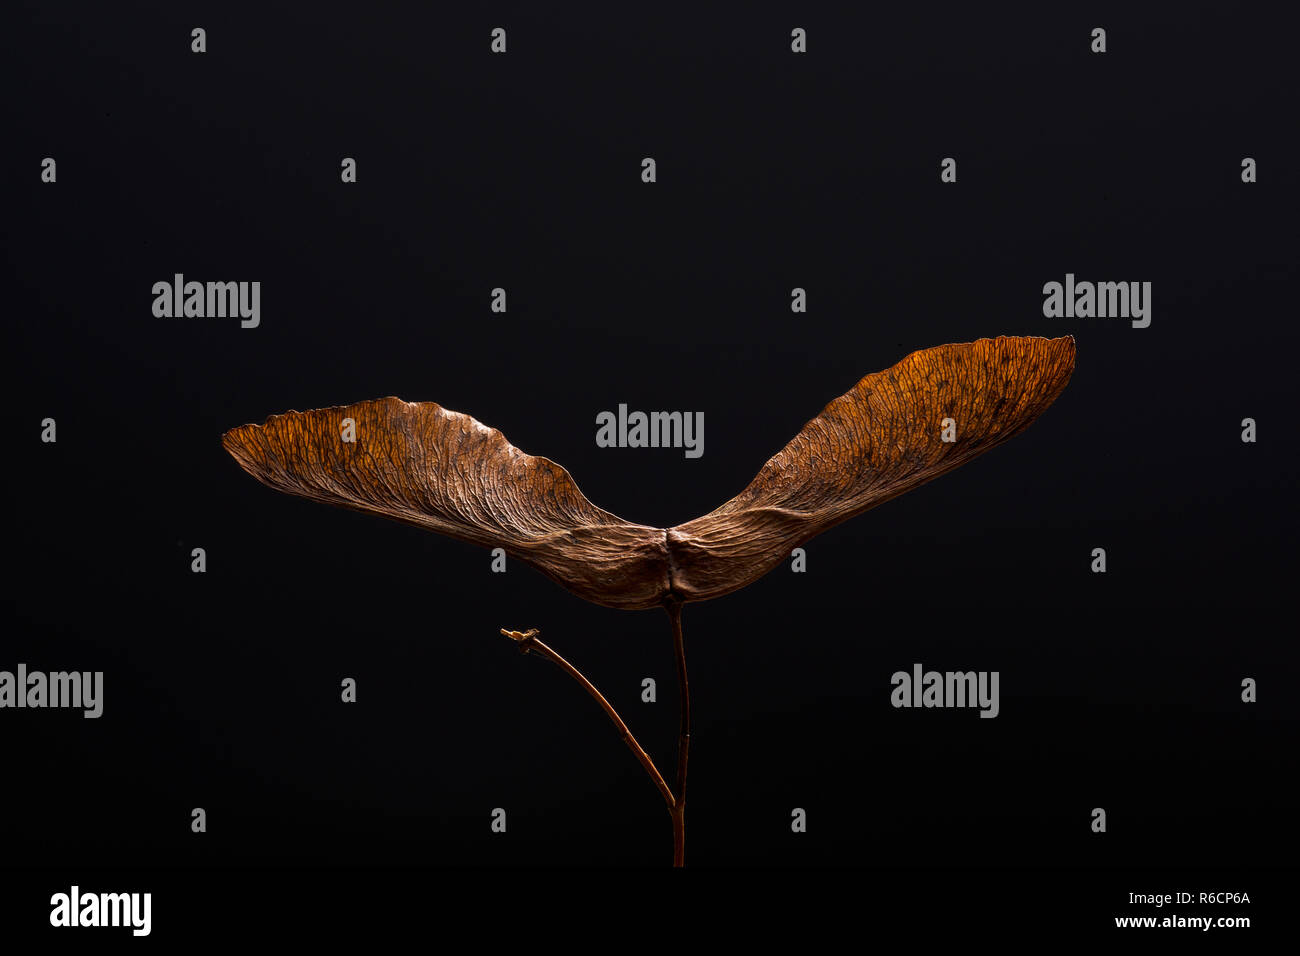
point(882, 438)
point(420, 463)
point(438, 469)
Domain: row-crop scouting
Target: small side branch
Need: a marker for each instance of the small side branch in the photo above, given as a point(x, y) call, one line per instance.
point(527, 641)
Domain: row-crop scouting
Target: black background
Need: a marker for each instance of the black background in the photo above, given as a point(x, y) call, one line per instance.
point(775, 170)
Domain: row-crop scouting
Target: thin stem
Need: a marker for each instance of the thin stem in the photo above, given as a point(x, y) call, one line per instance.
point(678, 809)
point(528, 641)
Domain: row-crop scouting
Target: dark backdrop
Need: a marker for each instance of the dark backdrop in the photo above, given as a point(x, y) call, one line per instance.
point(775, 170)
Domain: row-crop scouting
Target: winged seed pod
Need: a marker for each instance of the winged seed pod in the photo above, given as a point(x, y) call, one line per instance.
point(425, 465)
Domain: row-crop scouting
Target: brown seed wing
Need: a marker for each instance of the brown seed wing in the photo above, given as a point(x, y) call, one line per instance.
point(444, 471)
point(877, 441)
point(425, 465)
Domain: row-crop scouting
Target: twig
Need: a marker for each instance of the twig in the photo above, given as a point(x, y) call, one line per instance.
point(528, 641)
point(678, 809)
